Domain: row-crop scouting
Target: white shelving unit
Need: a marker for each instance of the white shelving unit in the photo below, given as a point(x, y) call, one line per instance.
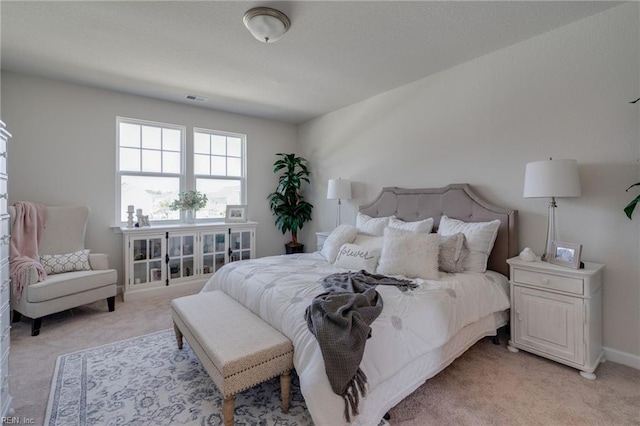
point(5, 281)
point(161, 259)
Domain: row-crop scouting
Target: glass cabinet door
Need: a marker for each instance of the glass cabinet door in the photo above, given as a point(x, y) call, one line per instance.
point(214, 247)
point(180, 250)
point(240, 245)
point(146, 253)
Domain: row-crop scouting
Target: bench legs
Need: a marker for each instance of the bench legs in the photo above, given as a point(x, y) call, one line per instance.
point(178, 335)
point(228, 402)
point(227, 410)
point(285, 390)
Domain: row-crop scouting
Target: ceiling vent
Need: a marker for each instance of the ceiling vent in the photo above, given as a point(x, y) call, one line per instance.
point(196, 98)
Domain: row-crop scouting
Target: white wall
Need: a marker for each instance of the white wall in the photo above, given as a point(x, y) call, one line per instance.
point(63, 151)
point(564, 94)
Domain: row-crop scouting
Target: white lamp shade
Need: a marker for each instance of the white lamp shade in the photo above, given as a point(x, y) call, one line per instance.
point(266, 24)
point(552, 178)
point(339, 189)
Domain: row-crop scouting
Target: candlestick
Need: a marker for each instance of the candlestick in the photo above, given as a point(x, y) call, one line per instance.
point(130, 219)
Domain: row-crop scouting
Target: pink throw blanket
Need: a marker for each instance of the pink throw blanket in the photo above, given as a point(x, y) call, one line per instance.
point(26, 233)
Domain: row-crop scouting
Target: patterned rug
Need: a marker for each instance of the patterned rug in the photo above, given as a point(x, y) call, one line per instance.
point(148, 381)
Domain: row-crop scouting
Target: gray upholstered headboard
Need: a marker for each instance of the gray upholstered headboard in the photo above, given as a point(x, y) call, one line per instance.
point(457, 201)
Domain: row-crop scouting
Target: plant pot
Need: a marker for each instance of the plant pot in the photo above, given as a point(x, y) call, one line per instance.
point(291, 249)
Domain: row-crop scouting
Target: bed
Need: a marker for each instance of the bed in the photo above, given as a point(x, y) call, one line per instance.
point(418, 333)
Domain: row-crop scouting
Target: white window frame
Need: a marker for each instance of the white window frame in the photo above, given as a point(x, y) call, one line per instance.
point(183, 155)
point(243, 174)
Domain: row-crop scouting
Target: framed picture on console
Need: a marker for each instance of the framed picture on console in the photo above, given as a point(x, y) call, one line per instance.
point(236, 213)
point(565, 254)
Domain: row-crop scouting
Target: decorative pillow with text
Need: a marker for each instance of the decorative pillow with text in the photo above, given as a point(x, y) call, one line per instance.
point(357, 258)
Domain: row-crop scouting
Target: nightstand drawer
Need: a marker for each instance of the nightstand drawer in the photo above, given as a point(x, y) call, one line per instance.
point(545, 280)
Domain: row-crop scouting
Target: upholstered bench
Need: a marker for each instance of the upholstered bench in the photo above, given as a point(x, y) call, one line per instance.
point(237, 348)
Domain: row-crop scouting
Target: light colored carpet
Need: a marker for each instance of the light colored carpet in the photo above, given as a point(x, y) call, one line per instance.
point(148, 381)
point(487, 385)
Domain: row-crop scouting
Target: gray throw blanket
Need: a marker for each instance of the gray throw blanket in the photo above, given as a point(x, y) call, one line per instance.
point(340, 319)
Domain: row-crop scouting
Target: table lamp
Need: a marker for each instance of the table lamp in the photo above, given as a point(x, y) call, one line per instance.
point(551, 179)
point(339, 189)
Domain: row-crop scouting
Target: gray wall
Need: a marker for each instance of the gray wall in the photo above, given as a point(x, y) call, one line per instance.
point(564, 94)
point(63, 151)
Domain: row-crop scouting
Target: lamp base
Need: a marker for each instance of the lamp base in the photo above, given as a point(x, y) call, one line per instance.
point(551, 230)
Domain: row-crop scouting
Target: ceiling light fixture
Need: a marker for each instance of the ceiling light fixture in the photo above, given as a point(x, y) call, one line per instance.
point(266, 24)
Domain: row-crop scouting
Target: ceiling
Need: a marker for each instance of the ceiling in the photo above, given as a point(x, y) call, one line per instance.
point(335, 54)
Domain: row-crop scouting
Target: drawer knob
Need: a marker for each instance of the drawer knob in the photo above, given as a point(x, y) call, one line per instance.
point(545, 281)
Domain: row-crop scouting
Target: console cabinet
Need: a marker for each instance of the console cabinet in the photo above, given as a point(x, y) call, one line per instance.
point(556, 312)
point(160, 259)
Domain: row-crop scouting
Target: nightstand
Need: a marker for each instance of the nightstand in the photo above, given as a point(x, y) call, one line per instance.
point(556, 312)
point(321, 237)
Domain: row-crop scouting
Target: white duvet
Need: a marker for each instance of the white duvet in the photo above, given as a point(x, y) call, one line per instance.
point(412, 323)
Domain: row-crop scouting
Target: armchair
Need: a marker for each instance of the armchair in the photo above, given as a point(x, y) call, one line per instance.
point(64, 232)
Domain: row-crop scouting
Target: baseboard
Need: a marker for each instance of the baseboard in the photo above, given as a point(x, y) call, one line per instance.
point(624, 358)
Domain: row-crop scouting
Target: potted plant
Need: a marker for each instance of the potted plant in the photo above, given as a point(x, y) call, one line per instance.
point(286, 202)
point(632, 205)
point(189, 201)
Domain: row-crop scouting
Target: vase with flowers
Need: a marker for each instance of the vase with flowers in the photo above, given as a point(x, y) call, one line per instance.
point(189, 202)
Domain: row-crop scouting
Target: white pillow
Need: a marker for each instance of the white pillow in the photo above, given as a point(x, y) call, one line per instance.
point(480, 238)
point(67, 262)
point(339, 236)
point(452, 253)
point(356, 258)
point(412, 254)
point(417, 226)
point(371, 225)
point(369, 241)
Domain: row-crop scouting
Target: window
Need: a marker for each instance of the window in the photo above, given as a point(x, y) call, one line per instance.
point(219, 170)
point(152, 168)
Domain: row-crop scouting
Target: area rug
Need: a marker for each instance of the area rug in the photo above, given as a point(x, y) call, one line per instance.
point(148, 381)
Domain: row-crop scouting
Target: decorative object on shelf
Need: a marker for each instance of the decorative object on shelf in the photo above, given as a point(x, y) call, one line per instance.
point(236, 213)
point(528, 255)
point(266, 24)
point(143, 220)
point(628, 210)
point(551, 179)
point(287, 202)
point(565, 254)
point(189, 202)
point(339, 189)
point(155, 274)
point(130, 211)
point(139, 217)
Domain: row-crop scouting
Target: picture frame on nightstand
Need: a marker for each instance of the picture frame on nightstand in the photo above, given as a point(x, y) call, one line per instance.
point(565, 254)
